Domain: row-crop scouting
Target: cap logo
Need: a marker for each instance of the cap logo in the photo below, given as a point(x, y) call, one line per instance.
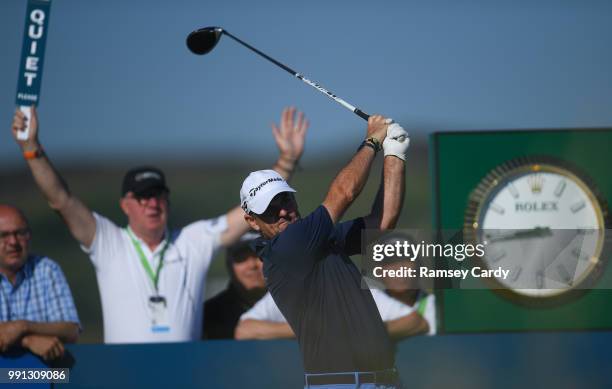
point(253, 191)
point(145, 175)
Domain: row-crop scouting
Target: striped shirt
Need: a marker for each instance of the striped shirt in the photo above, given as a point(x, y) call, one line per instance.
point(40, 294)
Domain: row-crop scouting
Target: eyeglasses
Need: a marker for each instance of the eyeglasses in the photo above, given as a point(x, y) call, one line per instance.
point(22, 233)
point(144, 199)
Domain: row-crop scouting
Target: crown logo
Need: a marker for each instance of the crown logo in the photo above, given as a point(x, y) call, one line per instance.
point(536, 182)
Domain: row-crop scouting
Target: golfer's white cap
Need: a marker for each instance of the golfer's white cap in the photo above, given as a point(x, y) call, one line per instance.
point(259, 188)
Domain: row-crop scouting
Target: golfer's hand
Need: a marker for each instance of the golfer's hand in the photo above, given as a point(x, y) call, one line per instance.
point(397, 142)
point(377, 127)
point(10, 333)
point(290, 134)
point(47, 347)
point(19, 124)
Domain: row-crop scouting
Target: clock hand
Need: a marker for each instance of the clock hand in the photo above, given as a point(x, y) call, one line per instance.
point(565, 265)
point(536, 232)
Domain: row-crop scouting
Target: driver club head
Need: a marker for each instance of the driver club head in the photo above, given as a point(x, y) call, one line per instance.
point(203, 40)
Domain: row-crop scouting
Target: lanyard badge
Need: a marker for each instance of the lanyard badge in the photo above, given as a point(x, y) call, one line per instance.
point(159, 314)
point(158, 307)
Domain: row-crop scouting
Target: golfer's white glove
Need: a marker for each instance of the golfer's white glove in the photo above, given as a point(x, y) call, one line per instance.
point(397, 141)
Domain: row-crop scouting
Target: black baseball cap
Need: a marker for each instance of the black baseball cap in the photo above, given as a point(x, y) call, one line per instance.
point(144, 180)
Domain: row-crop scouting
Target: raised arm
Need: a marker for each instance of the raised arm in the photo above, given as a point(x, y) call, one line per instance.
point(290, 137)
point(390, 197)
point(349, 183)
point(76, 215)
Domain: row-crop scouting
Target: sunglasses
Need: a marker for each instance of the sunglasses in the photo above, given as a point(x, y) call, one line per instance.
point(284, 200)
point(144, 197)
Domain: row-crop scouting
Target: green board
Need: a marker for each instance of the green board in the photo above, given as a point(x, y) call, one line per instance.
point(459, 160)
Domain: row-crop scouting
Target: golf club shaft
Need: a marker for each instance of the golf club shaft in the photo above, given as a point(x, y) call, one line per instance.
point(313, 84)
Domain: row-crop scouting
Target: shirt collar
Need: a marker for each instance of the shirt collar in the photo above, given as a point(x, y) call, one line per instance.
point(142, 243)
point(28, 267)
point(259, 245)
point(26, 271)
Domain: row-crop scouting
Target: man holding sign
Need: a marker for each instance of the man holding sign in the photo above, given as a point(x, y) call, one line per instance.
point(151, 278)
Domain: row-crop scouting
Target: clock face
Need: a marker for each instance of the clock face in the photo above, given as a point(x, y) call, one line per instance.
point(541, 222)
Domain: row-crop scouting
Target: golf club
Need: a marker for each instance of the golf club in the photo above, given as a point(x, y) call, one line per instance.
point(202, 41)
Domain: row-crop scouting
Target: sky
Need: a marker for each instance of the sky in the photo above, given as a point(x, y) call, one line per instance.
point(119, 82)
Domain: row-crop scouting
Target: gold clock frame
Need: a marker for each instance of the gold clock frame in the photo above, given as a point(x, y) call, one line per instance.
point(495, 180)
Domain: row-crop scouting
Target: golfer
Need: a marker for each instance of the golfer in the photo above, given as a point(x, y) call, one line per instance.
point(308, 270)
point(151, 279)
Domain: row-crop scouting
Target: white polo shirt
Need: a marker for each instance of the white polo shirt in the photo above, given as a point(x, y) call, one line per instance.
point(126, 288)
point(388, 307)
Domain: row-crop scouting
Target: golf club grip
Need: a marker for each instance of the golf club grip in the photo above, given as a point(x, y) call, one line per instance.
point(361, 114)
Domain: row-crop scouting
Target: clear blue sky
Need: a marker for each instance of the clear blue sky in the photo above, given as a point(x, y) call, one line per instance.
point(119, 80)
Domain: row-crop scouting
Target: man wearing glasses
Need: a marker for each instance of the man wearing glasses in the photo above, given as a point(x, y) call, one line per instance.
point(151, 279)
point(36, 307)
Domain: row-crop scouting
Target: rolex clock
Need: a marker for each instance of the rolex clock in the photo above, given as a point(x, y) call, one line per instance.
point(542, 221)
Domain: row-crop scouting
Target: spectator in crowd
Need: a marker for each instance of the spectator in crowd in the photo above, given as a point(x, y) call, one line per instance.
point(422, 300)
point(265, 320)
point(36, 307)
point(151, 278)
point(409, 290)
point(245, 288)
